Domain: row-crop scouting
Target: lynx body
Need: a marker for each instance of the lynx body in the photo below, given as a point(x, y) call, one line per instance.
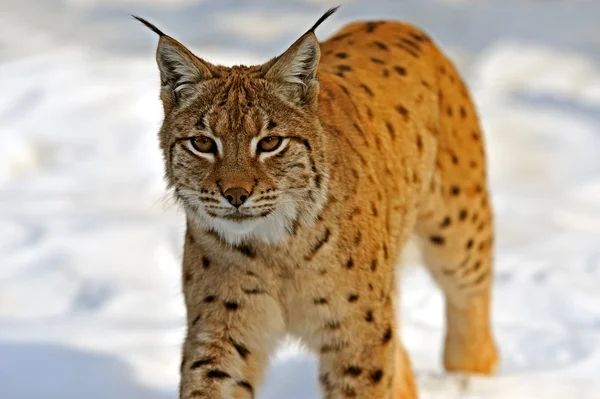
point(302, 180)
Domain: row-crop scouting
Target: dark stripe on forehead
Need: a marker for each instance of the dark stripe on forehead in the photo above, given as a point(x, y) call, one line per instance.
point(200, 124)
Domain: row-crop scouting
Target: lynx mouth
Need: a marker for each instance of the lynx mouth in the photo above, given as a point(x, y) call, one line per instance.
point(240, 216)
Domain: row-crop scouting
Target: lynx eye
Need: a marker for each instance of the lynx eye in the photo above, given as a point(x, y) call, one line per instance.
point(203, 144)
point(269, 144)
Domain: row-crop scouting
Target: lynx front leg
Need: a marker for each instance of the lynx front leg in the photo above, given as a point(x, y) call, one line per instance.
point(233, 326)
point(362, 358)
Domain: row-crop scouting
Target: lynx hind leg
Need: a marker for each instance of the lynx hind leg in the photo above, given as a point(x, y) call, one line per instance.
point(457, 243)
point(456, 228)
point(404, 381)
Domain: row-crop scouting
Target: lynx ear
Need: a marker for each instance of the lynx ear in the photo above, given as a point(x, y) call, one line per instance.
point(297, 67)
point(180, 69)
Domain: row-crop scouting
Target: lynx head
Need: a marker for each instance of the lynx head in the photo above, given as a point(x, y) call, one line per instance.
point(243, 146)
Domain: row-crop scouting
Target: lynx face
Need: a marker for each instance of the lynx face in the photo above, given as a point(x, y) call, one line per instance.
point(243, 146)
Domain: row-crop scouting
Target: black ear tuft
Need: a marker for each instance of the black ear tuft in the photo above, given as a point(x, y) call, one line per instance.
point(150, 26)
point(323, 18)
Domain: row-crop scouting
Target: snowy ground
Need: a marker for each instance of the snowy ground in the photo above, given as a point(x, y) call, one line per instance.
point(89, 247)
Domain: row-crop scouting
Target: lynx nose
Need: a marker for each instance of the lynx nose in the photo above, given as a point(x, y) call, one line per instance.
point(236, 195)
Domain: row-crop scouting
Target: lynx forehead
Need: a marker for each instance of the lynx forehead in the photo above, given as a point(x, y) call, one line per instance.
point(302, 180)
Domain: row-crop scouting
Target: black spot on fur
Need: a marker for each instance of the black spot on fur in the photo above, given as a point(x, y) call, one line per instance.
point(210, 298)
point(246, 385)
point(400, 70)
point(377, 60)
point(367, 89)
point(463, 112)
point(317, 181)
point(320, 301)
point(437, 240)
point(318, 245)
point(408, 49)
point(350, 263)
point(231, 305)
point(353, 298)
point(353, 371)
point(402, 110)
point(344, 68)
point(341, 55)
point(412, 44)
point(324, 380)
point(454, 190)
point(373, 265)
point(202, 362)
point(333, 347)
point(417, 37)
point(271, 125)
point(463, 214)
point(387, 335)
point(241, 349)
point(246, 250)
point(446, 222)
point(373, 209)
point(333, 325)
point(217, 374)
point(391, 130)
point(378, 143)
point(205, 262)
point(254, 291)
point(376, 376)
point(369, 316)
point(380, 45)
point(370, 26)
point(342, 36)
point(344, 89)
point(469, 244)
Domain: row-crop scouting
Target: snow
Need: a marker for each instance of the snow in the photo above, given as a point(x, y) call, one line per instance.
point(90, 245)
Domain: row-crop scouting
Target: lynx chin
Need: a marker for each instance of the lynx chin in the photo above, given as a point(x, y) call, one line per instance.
point(302, 180)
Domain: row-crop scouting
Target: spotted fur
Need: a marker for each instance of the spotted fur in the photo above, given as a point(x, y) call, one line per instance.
point(381, 141)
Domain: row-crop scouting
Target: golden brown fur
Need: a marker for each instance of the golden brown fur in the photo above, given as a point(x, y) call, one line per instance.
point(384, 142)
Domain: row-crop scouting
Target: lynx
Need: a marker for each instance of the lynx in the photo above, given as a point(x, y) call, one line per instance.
point(302, 180)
